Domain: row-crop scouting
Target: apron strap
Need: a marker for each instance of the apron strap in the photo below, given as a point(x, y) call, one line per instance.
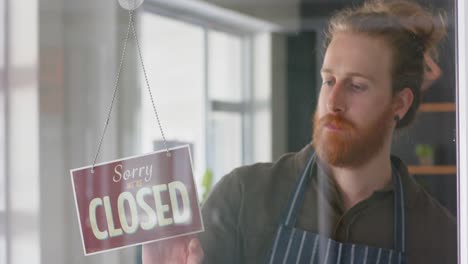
point(297, 197)
point(399, 212)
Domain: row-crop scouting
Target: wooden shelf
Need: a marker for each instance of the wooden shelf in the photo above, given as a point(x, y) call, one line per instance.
point(437, 107)
point(433, 170)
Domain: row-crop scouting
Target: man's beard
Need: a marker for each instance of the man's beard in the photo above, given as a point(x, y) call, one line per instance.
point(350, 147)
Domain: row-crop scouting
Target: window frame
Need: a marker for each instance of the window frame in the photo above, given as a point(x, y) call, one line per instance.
point(212, 18)
point(462, 129)
point(5, 235)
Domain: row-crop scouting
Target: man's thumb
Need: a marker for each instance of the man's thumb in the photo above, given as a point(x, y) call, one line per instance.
point(195, 252)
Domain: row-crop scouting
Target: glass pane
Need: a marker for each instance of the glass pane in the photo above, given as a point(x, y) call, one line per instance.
point(350, 103)
point(262, 135)
point(225, 151)
point(372, 159)
point(3, 190)
point(225, 67)
point(176, 76)
point(3, 245)
point(2, 112)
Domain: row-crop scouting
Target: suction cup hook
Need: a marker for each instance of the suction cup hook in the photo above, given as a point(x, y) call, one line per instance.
point(130, 4)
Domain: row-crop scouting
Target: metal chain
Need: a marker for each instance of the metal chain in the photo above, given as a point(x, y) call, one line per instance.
point(148, 86)
point(116, 86)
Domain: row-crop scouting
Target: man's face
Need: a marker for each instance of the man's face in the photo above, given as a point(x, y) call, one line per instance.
point(354, 115)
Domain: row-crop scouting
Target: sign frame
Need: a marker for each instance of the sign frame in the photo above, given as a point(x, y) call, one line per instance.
point(145, 242)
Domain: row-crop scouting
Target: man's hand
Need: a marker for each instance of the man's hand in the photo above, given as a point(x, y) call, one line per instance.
point(180, 250)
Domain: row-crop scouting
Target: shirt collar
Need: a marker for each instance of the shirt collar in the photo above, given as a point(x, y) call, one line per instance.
point(410, 186)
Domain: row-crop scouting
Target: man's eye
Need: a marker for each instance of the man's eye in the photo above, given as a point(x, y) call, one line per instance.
point(357, 87)
point(327, 83)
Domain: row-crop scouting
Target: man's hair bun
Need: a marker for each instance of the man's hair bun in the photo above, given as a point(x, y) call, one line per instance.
point(429, 27)
point(411, 32)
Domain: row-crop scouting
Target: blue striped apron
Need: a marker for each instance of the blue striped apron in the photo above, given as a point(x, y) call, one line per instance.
point(294, 245)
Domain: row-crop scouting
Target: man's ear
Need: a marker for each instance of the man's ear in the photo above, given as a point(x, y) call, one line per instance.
point(402, 102)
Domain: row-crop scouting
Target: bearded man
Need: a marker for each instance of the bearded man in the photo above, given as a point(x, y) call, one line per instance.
point(343, 198)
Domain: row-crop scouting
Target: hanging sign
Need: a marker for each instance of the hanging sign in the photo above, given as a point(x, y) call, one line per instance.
point(136, 200)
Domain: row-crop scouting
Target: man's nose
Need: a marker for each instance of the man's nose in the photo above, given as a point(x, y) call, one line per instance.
point(336, 98)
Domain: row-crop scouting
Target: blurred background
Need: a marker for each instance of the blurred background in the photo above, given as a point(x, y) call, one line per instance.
point(236, 79)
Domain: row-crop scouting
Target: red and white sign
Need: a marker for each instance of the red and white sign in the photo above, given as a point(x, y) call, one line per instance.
point(136, 200)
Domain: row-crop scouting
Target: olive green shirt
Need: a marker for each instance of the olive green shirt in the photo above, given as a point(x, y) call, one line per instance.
point(243, 212)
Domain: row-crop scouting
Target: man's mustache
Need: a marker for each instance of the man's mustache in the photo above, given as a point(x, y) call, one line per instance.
point(337, 121)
